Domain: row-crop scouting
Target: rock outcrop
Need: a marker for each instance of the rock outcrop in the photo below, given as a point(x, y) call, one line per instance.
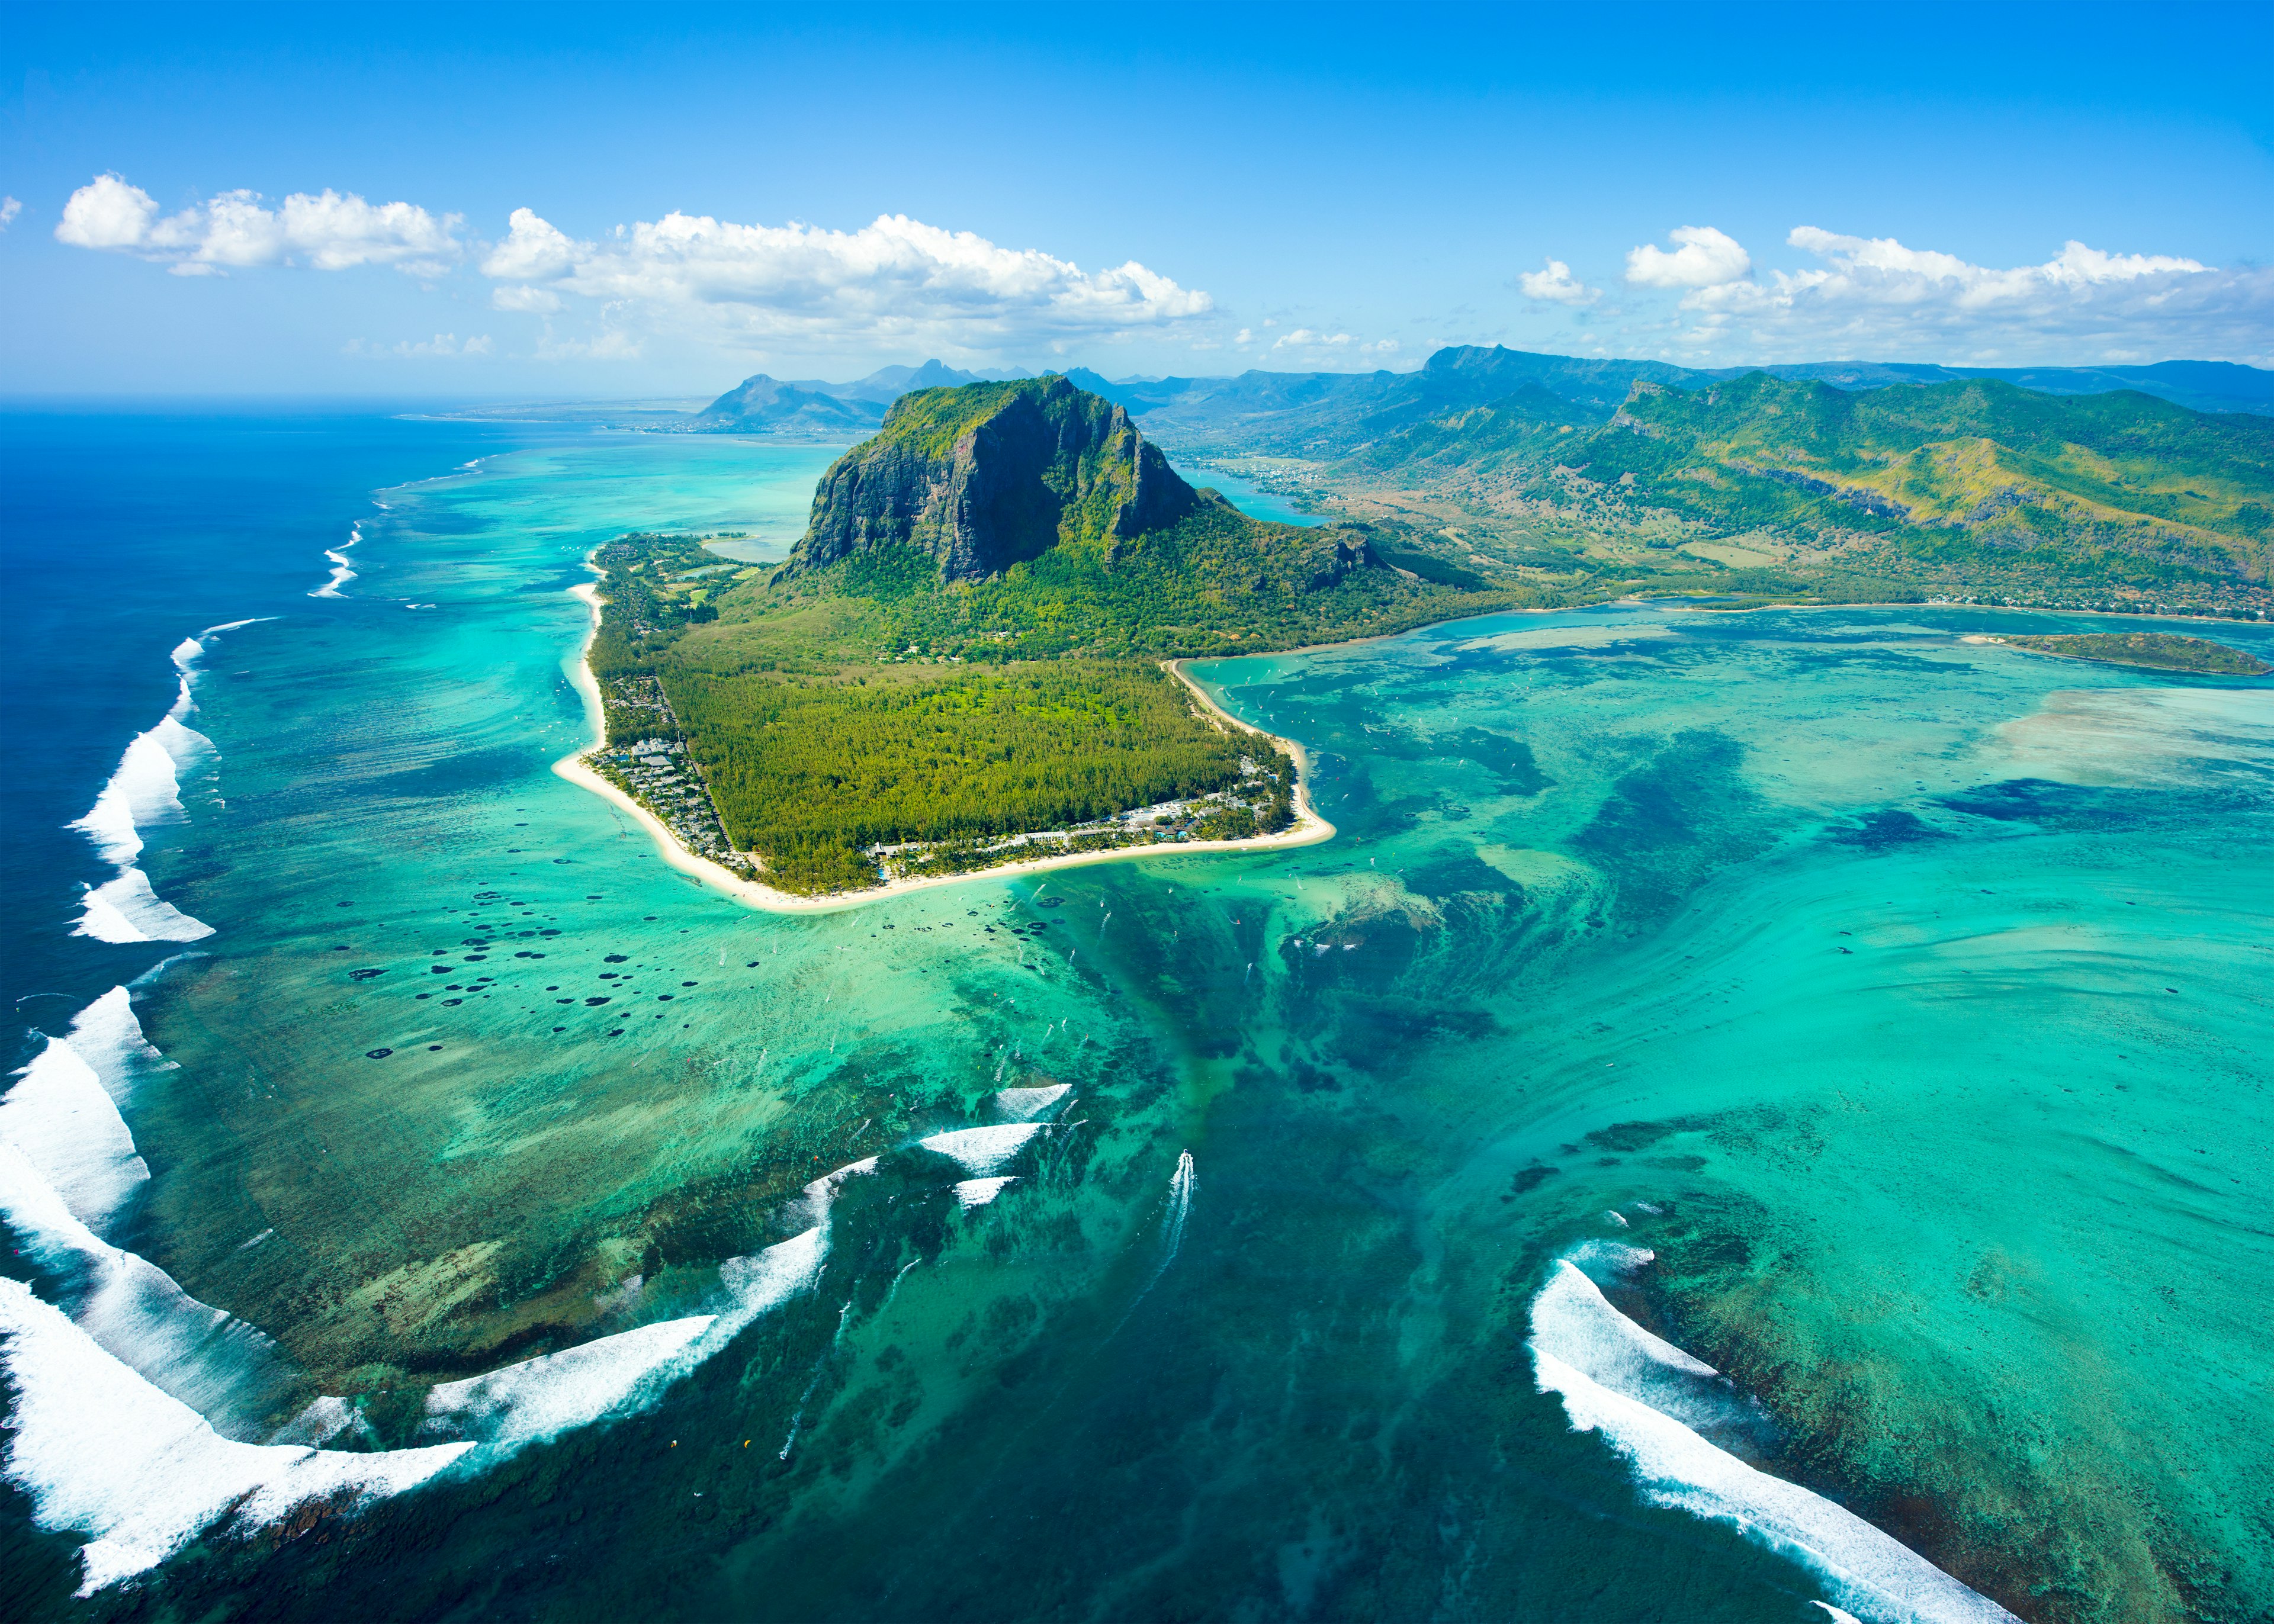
point(992, 474)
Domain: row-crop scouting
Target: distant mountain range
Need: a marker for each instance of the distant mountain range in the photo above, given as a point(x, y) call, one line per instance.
point(810, 409)
point(1332, 415)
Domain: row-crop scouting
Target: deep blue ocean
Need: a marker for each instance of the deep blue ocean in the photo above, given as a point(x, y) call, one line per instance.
point(121, 533)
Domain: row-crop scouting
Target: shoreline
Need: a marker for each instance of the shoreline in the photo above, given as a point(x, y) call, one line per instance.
point(1309, 829)
point(1992, 641)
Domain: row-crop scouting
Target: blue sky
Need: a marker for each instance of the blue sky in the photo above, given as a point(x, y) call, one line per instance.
point(558, 201)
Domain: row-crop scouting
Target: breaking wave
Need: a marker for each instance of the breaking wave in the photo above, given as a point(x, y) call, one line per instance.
point(103, 1451)
point(125, 908)
point(983, 1151)
point(1663, 1411)
point(140, 1413)
point(341, 572)
point(972, 1192)
point(144, 792)
point(1026, 1104)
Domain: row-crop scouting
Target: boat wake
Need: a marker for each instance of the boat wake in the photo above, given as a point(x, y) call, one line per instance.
point(1180, 1206)
point(1677, 1420)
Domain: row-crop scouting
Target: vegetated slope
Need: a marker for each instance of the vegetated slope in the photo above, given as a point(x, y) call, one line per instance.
point(1329, 415)
point(764, 405)
point(965, 642)
point(1033, 519)
point(2119, 485)
point(1336, 415)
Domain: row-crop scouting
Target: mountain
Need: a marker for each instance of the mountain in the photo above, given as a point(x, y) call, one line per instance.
point(990, 475)
point(2117, 484)
point(814, 408)
point(967, 643)
point(2201, 386)
point(1034, 519)
point(1329, 415)
point(764, 405)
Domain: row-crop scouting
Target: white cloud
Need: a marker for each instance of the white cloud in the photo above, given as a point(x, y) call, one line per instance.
point(535, 301)
point(442, 345)
point(605, 346)
point(895, 282)
point(10, 207)
point(1706, 257)
point(1875, 296)
point(1557, 285)
point(329, 230)
point(1333, 349)
point(533, 251)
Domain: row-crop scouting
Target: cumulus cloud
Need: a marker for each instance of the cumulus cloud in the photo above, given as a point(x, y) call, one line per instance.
point(1557, 286)
point(1306, 344)
point(532, 301)
point(442, 345)
point(10, 207)
point(895, 281)
point(328, 230)
point(1703, 257)
point(1875, 296)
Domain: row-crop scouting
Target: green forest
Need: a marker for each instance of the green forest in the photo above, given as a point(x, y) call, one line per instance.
point(808, 773)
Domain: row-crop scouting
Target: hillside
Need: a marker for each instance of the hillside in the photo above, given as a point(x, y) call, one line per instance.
point(1334, 415)
point(1765, 486)
point(965, 647)
point(2117, 486)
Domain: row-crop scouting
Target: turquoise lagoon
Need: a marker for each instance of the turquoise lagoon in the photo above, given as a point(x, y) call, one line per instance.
point(1748, 1106)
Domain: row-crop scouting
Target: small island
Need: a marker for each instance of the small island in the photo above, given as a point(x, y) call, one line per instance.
point(972, 659)
point(2157, 650)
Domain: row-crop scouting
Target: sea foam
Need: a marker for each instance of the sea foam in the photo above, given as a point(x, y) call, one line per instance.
point(1616, 1378)
point(66, 1125)
point(543, 1397)
point(124, 1408)
point(125, 908)
point(100, 1451)
point(1026, 1104)
point(340, 572)
point(145, 789)
point(979, 1192)
point(983, 1151)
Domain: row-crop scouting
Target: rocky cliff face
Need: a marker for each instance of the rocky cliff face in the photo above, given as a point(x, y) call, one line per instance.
point(992, 475)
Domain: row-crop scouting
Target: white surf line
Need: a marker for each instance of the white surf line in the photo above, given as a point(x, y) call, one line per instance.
point(1026, 1104)
point(100, 1451)
point(112, 1436)
point(144, 792)
point(1639, 1392)
point(983, 1151)
point(971, 1193)
point(342, 574)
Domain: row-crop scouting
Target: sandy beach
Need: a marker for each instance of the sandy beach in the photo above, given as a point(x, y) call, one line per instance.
point(1309, 829)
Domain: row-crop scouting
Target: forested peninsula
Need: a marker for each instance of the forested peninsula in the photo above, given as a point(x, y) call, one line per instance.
point(964, 661)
